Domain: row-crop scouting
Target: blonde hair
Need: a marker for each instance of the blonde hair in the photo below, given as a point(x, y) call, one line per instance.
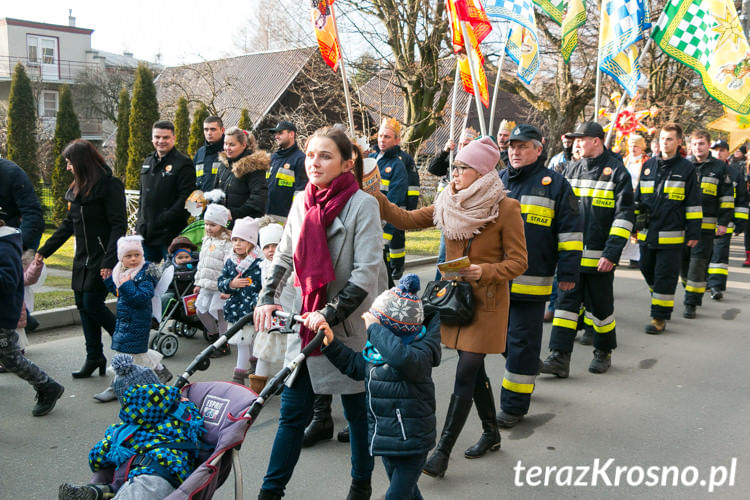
point(244, 137)
point(637, 140)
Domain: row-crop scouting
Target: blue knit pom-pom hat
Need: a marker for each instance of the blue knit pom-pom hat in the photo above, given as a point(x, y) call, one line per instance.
point(400, 308)
point(128, 374)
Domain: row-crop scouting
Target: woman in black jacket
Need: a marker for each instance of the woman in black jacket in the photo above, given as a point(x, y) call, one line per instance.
point(242, 175)
point(97, 217)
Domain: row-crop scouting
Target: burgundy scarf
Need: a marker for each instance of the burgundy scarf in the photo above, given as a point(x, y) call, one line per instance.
point(312, 259)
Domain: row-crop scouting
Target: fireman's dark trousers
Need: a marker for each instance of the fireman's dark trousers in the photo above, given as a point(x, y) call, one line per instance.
point(718, 268)
point(595, 292)
point(693, 269)
point(661, 269)
point(523, 346)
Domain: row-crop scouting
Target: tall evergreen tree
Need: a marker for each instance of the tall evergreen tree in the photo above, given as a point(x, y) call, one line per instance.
point(196, 130)
point(182, 125)
point(123, 134)
point(67, 128)
point(244, 123)
point(144, 111)
point(22, 124)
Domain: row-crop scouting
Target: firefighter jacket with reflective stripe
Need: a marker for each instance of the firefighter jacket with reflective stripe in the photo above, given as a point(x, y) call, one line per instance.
point(394, 180)
point(605, 194)
point(553, 226)
point(668, 194)
point(741, 198)
point(717, 192)
point(412, 174)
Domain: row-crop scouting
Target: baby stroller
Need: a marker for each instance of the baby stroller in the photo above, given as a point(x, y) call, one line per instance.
point(228, 410)
point(178, 282)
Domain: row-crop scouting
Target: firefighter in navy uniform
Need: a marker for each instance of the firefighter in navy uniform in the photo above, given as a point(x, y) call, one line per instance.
point(717, 200)
point(412, 174)
point(394, 185)
point(553, 227)
point(718, 268)
point(605, 194)
point(668, 217)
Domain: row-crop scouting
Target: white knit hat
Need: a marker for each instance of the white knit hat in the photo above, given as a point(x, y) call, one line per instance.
point(270, 234)
point(246, 229)
point(218, 214)
point(129, 243)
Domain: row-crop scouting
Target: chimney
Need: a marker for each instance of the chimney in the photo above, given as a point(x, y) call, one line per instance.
point(71, 19)
point(127, 54)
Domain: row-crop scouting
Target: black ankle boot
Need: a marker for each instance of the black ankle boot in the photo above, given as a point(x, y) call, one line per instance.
point(89, 366)
point(458, 411)
point(267, 495)
point(321, 425)
point(490, 439)
point(359, 490)
point(47, 395)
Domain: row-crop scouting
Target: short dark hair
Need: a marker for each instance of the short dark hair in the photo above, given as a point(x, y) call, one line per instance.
point(214, 119)
point(164, 125)
point(672, 127)
point(701, 134)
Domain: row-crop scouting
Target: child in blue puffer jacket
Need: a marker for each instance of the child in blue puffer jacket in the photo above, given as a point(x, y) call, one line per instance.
point(133, 281)
point(396, 365)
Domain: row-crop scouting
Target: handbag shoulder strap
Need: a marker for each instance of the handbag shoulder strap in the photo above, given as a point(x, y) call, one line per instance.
point(466, 252)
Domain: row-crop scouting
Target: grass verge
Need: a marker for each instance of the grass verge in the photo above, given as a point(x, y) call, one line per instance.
point(51, 300)
point(63, 257)
point(424, 242)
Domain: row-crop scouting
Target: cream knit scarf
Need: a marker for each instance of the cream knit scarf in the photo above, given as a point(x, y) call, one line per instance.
point(462, 214)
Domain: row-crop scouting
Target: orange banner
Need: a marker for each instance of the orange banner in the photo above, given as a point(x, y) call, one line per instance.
point(462, 10)
point(325, 32)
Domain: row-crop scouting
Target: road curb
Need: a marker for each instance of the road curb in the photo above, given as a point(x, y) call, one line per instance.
point(64, 316)
point(420, 261)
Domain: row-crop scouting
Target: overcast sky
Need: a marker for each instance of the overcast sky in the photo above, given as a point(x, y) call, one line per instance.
point(180, 31)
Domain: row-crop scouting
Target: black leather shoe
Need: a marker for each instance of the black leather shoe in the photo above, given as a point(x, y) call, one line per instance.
point(359, 490)
point(89, 366)
point(717, 294)
point(689, 312)
point(506, 420)
point(557, 363)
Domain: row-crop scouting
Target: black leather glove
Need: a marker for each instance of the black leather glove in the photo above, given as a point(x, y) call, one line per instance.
point(345, 303)
point(270, 285)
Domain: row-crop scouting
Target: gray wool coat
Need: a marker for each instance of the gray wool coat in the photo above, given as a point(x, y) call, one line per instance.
point(355, 244)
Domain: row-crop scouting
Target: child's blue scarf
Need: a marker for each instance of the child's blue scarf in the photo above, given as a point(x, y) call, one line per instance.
point(371, 354)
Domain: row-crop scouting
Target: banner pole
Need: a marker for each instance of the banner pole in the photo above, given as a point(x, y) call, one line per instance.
point(497, 77)
point(474, 76)
point(347, 97)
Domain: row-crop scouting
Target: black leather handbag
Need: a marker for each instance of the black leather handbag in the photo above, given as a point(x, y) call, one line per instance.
point(454, 300)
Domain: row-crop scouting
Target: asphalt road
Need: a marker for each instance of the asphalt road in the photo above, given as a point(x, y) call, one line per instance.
point(671, 410)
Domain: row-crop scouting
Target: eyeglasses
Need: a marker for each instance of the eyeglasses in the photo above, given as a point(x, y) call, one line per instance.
point(460, 170)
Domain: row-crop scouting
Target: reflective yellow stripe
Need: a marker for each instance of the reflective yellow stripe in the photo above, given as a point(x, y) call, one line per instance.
point(538, 210)
point(530, 289)
point(662, 303)
point(647, 189)
point(516, 387)
point(708, 225)
point(285, 177)
point(727, 204)
point(569, 245)
point(740, 215)
point(718, 270)
point(695, 289)
point(594, 193)
point(619, 231)
point(565, 323)
point(589, 262)
point(693, 215)
point(672, 241)
point(672, 189)
point(412, 193)
point(397, 255)
point(387, 236)
point(641, 236)
point(600, 329)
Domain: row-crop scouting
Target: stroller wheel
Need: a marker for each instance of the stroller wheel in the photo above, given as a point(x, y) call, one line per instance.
point(154, 342)
point(168, 345)
point(190, 331)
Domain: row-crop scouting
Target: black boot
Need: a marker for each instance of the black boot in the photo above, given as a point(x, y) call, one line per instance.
point(458, 411)
point(90, 366)
point(267, 495)
point(321, 425)
point(47, 395)
point(490, 439)
point(359, 490)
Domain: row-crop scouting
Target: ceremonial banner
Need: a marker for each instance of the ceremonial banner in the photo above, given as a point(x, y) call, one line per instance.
point(571, 15)
point(706, 35)
point(623, 23)
point(325, 32)
point(469, 11)
point(736, 125)
point(522, 44)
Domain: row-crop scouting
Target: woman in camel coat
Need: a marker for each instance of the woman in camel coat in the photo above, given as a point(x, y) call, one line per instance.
point(474, 211)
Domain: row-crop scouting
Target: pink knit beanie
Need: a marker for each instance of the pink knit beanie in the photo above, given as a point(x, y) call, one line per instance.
point(127, 244)
point(482, 155)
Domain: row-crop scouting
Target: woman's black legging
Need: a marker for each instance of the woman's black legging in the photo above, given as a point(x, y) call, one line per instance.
point(469, 371)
